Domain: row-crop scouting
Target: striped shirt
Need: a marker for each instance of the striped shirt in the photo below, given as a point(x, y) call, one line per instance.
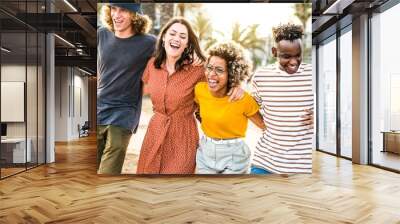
point(286, 144)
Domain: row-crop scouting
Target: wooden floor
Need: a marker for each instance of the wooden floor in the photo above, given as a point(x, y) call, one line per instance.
point(11, 170)
point(387, 159)
point(8, 171)
point(69, 191)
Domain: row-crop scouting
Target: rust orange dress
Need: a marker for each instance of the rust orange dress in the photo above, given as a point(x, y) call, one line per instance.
point(171, 140)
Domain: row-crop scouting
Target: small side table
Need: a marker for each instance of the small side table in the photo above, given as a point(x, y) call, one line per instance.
point(391, 141)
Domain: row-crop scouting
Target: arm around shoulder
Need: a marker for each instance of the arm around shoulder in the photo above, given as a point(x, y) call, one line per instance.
point(258, 120)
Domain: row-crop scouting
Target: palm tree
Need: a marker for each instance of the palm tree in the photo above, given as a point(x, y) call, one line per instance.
point(269, 58)
point(303, 12)
point(249, 40)
point(202, 26)
point(150, 10)
point(204, 30)
point(182, 8)
point(166, 11)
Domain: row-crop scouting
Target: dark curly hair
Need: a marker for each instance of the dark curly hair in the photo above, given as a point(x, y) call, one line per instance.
point(287, 32)
point(238, 66)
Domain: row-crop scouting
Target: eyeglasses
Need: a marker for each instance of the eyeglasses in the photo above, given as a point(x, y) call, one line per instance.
point(218, 70)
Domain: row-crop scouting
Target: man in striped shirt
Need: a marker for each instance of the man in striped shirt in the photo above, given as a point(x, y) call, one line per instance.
point(284, 93)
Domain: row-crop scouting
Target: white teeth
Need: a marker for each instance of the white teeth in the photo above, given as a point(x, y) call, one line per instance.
point(176, 45)
point(212, 83)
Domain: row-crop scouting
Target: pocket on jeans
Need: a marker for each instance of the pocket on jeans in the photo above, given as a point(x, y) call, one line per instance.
point(241, 154)
point(206, 149)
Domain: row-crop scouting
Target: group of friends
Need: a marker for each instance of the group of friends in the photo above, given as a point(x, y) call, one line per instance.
point(184, 85)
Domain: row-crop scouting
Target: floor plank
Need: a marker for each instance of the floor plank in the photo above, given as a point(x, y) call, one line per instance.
point(69, 191)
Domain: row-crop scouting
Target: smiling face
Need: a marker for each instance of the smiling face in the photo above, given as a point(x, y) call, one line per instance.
point(175, 40)
point(122, 21)
point(217, 76)
point(288, 54)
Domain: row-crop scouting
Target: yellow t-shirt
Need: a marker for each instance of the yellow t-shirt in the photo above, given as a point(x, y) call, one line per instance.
point(221, 118)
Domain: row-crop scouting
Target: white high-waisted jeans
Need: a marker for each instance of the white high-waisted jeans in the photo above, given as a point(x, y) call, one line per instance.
point(222, 156)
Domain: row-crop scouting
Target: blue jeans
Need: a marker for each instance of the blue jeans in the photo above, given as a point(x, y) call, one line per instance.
point(257, 170)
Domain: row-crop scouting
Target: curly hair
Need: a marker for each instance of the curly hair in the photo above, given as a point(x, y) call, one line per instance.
point(287, 32)
point(237, 64)
point(140, 23)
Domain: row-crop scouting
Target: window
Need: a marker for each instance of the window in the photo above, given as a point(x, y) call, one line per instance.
point(327, 96)
point(385, 89)
point(346, 93)
point(22, 67)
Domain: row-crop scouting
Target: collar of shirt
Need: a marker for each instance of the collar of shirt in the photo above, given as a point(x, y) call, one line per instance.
point(185, 67)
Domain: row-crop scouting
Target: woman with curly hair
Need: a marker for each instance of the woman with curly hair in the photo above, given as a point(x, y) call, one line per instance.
point(222, 149)
point(123, 48)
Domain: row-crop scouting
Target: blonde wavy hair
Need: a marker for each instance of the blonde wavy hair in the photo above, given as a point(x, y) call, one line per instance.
point(140, 23)
point(239, 68)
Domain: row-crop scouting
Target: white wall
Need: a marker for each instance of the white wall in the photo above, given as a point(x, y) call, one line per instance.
point(12, 73)
point(33, 127)
point(61, 103)
point(81, 84)
point(71, 94)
